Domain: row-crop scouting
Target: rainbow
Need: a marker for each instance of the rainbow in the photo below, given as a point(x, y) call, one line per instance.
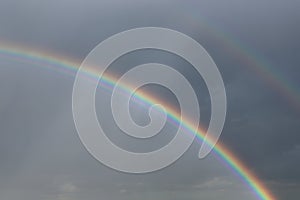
point(70, 66)
point(256, 63)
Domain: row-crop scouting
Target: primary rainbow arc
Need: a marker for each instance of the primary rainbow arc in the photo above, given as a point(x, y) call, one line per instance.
point(70, 66)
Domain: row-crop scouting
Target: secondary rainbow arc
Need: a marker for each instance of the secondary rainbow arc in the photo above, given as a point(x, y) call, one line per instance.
point(263, 68)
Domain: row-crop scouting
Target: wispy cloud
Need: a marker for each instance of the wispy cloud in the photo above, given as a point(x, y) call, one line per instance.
point(214, 183)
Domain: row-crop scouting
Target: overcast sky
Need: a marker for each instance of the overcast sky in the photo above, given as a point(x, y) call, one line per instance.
point(41, 156)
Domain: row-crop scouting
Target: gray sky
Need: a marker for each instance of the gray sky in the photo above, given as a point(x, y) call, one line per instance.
point(41, 156)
